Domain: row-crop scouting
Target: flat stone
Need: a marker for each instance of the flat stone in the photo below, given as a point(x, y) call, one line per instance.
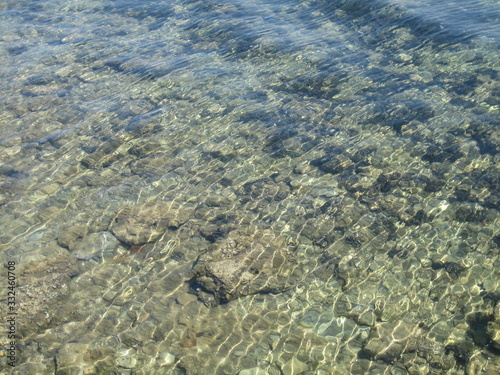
point(50, 188)
point(166, 359)
point(341, 327)
point(186, 298)
point(367, 318)
point(247, 263)
point(95, 245)
point(252, 371)
point(70, 358)
point(309, 319)
point(126, 361)
point(148, 222)
point(69, 236)
point(389, 340)
point(294, 367)
point(493, 329)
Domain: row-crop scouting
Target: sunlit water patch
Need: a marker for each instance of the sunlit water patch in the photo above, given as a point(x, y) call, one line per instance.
point(251, 187)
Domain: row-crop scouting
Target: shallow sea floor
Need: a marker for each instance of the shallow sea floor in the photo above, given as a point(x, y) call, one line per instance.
point(251, 187)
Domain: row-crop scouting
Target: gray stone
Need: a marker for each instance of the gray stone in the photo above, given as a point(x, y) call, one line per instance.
point(185, 298)
point(147, 222)
point(69, 236)
point(341, 327)
point(294, 367)
point(95, 245)
point(309, 319)
point(388, 341)
point(252, 371)
point(70, 359)
point(367, 318)
point(493, 329)
point(126, 361)
point(166, 359)
point(245, 264)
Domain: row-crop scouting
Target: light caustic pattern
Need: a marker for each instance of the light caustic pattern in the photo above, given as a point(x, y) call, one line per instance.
point(236, 187)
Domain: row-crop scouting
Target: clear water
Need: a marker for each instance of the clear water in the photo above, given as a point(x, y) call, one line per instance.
point(362, 135)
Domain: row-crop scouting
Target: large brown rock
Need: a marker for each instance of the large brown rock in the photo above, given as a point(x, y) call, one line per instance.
point(147, 222)
point(247, 263)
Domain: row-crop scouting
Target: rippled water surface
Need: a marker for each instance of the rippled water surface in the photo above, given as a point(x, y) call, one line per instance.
point(250, 187)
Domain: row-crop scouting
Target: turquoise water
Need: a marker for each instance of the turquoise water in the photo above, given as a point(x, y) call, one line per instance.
point(251, 187)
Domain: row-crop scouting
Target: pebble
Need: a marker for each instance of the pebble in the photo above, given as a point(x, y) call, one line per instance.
point(166, 359)
point(11, 141)
point(294, 367)
point(367, 318)
point(95, 245)
point(252, 371)
point(11, 151)
point(49, 189)
point(186, 298)
point(126, 361)
point(309, 319)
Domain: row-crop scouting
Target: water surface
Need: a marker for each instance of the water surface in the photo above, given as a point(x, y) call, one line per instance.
point(363, 135)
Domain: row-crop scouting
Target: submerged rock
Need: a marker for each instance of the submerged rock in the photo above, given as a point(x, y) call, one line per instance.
point(389, 341)
point(245, 264)
point(147, 222)
point(493, 328)
point(294, 367)
point(95, 246)
point(253, 371)
point(71, 235)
